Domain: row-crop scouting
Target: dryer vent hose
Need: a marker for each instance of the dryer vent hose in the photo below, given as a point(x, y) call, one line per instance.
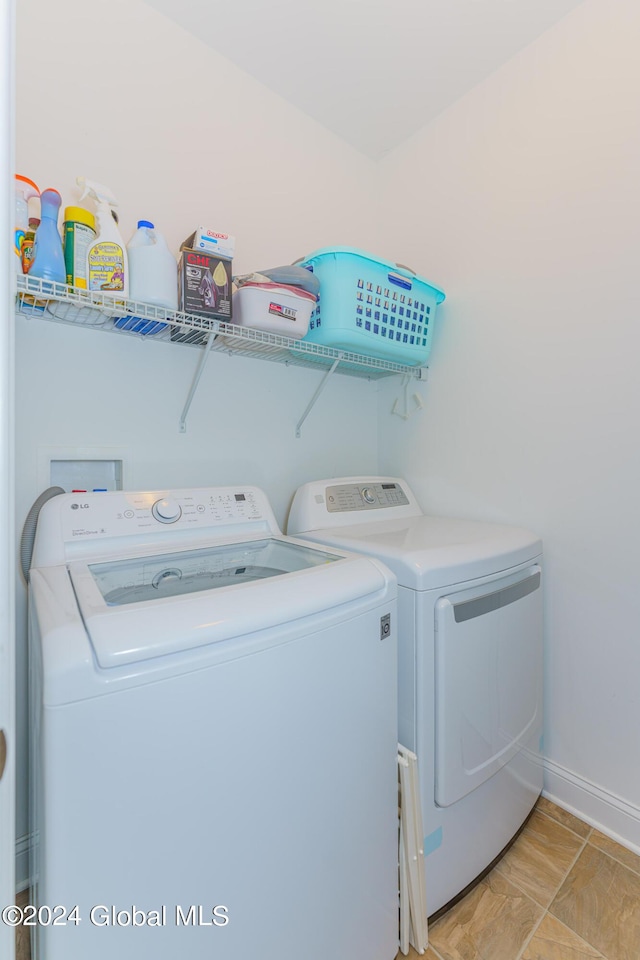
point(29, 529)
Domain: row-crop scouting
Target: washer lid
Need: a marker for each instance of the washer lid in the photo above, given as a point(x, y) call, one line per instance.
point(138, 608)
point(426, 552)
point(140, 579)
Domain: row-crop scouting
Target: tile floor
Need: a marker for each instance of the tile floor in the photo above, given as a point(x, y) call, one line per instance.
point(563, 892)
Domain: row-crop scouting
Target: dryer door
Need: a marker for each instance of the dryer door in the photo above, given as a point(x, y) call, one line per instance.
point(488, 680)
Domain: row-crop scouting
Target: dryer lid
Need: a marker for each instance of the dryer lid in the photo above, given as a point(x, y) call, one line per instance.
point(427, 552)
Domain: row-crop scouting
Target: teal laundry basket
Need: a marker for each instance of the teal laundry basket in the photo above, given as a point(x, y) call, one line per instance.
point(372, 307)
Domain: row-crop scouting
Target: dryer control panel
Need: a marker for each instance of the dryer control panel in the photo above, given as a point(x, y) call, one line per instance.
point(344, 501)
point(365, 496)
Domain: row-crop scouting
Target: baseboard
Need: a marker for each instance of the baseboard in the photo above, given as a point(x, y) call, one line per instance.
point(23, 849)
point(613, 816)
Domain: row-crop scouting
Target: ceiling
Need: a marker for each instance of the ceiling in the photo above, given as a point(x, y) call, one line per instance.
point(372, 71)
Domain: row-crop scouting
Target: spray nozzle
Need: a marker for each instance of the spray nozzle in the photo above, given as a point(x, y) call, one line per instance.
point(99, 193)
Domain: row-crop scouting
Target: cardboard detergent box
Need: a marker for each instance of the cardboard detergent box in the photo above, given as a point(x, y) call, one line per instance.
point(211, 241)
point(204, 284)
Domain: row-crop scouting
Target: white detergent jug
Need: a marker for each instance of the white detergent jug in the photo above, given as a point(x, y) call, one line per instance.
point(153, 270)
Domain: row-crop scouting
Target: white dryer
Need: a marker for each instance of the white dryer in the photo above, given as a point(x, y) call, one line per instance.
point(470, 663)
point(215, 734)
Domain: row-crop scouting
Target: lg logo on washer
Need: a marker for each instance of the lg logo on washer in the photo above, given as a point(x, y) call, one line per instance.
point(79, 506)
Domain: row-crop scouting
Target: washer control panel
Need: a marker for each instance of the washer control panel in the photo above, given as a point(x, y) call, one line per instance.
point(374, 495)
point(206, 512)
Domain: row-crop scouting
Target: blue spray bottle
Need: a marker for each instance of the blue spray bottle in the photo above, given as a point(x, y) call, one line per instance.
point(48, 257)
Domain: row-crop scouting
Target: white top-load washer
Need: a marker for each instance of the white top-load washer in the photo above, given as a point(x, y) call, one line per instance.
point(215, 734)
point(470, 663)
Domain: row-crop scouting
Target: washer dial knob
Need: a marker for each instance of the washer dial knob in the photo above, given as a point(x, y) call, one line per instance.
point(368, 495)
point(167, 510)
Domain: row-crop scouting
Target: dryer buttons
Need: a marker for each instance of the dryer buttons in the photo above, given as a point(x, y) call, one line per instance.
point(167, 510)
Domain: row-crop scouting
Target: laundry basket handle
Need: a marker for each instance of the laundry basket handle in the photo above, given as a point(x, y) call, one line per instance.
point(403, 266)
point(400, 266)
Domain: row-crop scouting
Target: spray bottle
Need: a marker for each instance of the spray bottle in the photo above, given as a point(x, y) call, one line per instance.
point(24, 190)
point(107, 267)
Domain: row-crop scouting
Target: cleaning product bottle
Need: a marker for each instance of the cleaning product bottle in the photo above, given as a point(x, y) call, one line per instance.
point(79, 230)
point(48, 258)
point(153, 270)
point(107, 265)
point(27, 243)
point(24, 190)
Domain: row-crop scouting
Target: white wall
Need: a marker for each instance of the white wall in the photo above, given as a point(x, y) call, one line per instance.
point(184, 138)
point(524, 207)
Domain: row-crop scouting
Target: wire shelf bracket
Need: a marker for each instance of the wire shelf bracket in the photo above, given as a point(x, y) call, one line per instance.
point(314, 398)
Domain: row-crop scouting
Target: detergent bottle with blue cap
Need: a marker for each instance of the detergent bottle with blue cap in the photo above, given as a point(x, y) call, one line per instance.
point(107, 263)
point(153, 270)
point(153, 278)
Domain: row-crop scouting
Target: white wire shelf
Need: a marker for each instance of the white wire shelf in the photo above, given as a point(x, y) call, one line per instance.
point(63, 304)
